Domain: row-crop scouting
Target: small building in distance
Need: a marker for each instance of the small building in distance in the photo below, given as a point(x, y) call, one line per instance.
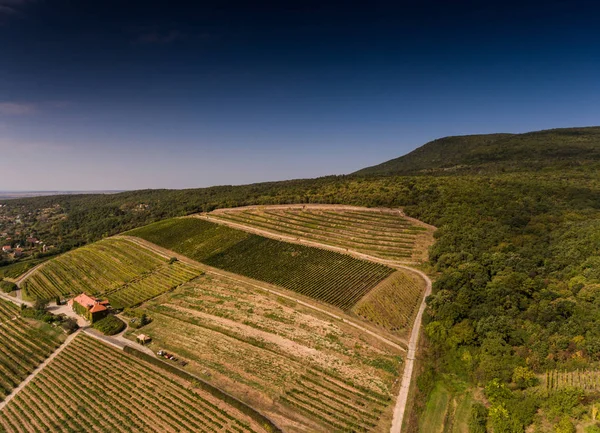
point(92, 309)
point(143, 339)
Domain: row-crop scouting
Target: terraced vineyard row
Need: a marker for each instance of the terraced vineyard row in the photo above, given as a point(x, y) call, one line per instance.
point(320, 274)
point(277, 355)
point(385, 235)
point(338, 404)
point(328, 276)
point(121, 394)
point(162, 280)
point(22, 348)
point(393, 303)
point(94, 269)
point(8, 311)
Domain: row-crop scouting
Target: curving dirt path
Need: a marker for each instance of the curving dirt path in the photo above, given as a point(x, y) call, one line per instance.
point(402, 399)
point(407, 375)
point(164, 252)
point(300, 241)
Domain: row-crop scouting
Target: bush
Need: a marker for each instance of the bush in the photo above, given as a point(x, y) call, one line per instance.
point(478, 418)
point(69, 325)
point(110, 325)
point(7, 286)
point(43, 315)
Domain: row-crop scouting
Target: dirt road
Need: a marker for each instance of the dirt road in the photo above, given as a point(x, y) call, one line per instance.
point(300, 241)
point(210, 270)
point(407, 375)
point(38, 369)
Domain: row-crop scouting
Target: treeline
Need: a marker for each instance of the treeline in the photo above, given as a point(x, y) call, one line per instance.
point(517, 257)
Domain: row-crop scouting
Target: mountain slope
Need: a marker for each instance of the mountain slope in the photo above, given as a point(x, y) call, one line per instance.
point(497, 152)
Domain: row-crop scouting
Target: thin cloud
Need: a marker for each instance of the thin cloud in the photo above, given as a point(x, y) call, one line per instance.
point(16, 108)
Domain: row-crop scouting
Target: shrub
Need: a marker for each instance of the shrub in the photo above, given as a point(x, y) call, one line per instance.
point(478, 418)
point(69, 325)
point(110, 325)
point(7, 286)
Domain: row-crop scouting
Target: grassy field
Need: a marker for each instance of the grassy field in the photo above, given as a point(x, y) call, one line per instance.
point(23, 347)
point(382, 234)
point(448, 409)
point(115, 268)
point(337, 279)
point(92, 387)
point(285, 359)
point(393, 303)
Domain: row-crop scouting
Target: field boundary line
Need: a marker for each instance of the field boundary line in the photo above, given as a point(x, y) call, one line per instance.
point(38, 369)
point(300, 241)
point(316, 206)
point(407, 374)
point(210, 270)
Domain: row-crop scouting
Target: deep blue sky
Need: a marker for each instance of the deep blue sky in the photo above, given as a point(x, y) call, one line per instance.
point(148, 94)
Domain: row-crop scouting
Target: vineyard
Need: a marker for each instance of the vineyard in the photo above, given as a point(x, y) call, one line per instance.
point(22, 348)
point(587, 380)
point(298, 361)
point(161, 280)
point(381, 234)
point(116, 268)
point(338, 404)
point(94, 269)
point(337, 279)
point(92, 387)
point(15, 270)
point(394, 302)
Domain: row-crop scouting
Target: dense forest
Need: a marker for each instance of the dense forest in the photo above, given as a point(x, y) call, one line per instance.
point(516, 260)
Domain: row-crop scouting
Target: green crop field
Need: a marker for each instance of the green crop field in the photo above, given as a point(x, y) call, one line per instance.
point(394, 302)
point(22, 348)
point(91, 387)
point(337, 279)
point(387, 234)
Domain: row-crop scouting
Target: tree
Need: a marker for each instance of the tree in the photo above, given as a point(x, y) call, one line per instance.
point(478, 418)
point(524, 377)
point(40, 305)
point(564, 426)
point(70, 325)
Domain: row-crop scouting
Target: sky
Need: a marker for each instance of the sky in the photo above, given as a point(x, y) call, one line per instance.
point(114, 95)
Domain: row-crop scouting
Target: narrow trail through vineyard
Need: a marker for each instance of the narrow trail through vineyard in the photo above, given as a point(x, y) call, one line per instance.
point(38, 369)
point(407, 376)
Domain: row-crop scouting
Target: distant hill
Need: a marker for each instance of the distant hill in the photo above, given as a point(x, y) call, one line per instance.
point(497, 152)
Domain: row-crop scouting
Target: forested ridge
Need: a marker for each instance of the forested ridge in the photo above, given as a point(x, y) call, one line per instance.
point(516, 265)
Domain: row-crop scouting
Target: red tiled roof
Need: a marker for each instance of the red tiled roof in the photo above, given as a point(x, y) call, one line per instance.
point(97, 307)
point(92, 304)
point(85, 300)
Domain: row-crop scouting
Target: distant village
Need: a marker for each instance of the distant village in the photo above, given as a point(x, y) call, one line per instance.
point(20, 232)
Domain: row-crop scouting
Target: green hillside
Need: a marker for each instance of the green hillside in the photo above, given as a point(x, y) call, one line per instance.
point(497, 152)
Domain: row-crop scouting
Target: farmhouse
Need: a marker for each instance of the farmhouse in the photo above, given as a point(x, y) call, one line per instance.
point(91, 308)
